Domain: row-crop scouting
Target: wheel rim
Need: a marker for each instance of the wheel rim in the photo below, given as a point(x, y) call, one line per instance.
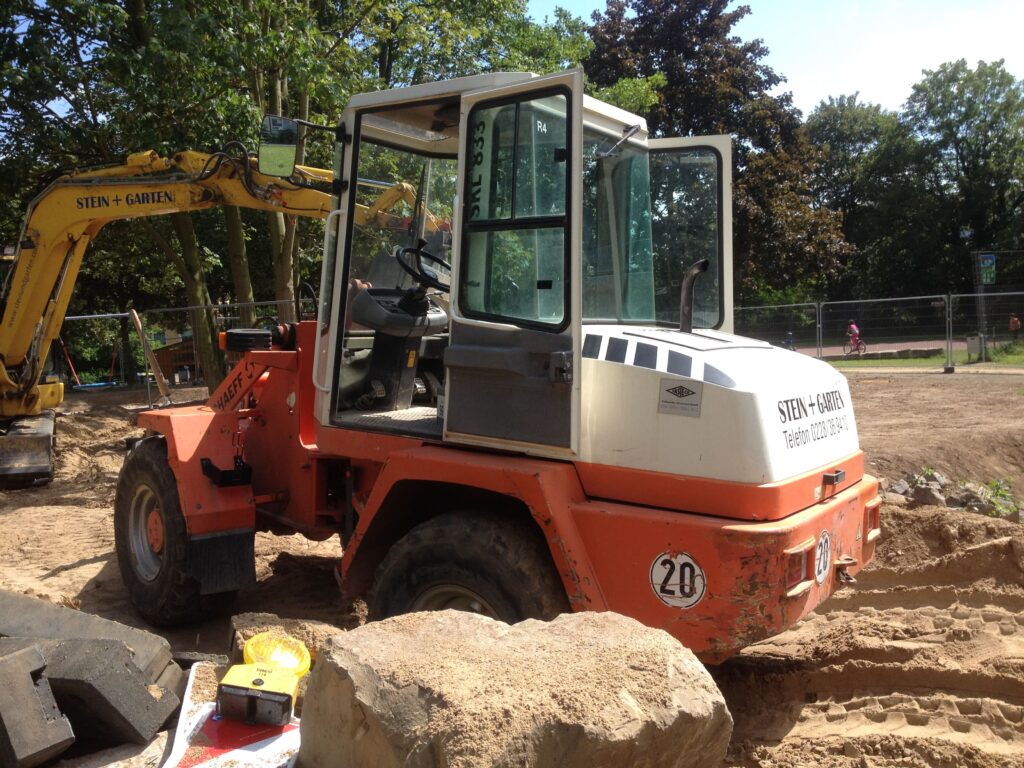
point(453, 597)
point(146, 533)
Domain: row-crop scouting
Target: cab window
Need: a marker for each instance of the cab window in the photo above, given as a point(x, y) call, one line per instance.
point(514, 257)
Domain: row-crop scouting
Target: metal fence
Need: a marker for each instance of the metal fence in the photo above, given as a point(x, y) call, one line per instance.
point(104, 351)
point(940, 331)
point(931, 331)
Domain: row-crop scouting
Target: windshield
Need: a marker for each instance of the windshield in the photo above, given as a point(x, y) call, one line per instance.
point(647, 217)
point(401, 199)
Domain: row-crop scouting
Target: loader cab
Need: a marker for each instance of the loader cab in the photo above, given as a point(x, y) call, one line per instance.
point(483, 225)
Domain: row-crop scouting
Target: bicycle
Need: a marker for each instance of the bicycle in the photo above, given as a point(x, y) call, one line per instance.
point(860, 349)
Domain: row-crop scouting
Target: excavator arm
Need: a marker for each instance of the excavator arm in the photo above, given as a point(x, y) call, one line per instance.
point(66, 217)
point(60, 224)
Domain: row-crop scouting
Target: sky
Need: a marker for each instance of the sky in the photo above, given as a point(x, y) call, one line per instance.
point(875, 47)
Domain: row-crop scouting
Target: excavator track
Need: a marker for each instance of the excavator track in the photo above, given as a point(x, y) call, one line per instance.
point(26, 450)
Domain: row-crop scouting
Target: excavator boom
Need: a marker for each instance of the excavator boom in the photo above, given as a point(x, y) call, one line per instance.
point(66, 217)
point(60, 224)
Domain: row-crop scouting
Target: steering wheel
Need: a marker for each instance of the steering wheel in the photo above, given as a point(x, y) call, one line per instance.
point(423, 274)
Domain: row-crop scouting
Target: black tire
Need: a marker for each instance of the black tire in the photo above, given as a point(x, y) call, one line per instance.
point(503, 562)
point(158, 582)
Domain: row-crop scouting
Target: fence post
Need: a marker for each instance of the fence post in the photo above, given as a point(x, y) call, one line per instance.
point(950, 368)
point(817, 323)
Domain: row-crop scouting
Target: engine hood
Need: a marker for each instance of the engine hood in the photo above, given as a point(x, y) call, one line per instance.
point(710, 405)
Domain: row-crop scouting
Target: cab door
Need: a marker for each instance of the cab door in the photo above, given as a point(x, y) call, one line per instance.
point(691, 219)
point(513, 355)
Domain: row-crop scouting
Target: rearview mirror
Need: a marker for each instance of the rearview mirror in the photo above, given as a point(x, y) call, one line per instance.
point(278, 143)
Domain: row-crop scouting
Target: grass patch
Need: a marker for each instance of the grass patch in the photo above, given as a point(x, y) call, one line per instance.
point(896, 362)
point(1010, 355)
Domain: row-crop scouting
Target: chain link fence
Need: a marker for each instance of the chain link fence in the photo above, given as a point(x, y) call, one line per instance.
point(171, 334)
point(925, 331)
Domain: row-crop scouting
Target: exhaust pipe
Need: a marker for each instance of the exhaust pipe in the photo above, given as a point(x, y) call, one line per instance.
point(686, 295)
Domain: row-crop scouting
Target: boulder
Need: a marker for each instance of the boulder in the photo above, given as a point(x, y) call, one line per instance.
point(928, 495)
point(901, 487)
point(457, 689)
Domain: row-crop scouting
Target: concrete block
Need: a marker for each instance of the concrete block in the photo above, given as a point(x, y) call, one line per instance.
point(32, 728)
point(153, 755)
point(25, 616)
point(97, 684)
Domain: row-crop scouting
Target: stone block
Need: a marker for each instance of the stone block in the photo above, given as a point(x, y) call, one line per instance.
point(25, 616)
point(32, 728)
point(100, 689)
point(312, 633)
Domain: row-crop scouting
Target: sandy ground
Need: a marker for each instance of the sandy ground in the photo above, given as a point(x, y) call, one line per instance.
point(919, 664)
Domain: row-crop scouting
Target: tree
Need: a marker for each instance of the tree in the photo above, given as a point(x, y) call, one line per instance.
point(715, 82)
point(972, 123)
point(911, 185)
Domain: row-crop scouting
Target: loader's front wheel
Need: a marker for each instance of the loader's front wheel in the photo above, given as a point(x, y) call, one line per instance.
point(499, 567)
point(152, 541)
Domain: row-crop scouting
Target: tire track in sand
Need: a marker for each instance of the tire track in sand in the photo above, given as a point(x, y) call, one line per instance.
point(925, 654)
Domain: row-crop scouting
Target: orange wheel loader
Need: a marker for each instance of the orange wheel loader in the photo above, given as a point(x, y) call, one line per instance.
point(527, 402)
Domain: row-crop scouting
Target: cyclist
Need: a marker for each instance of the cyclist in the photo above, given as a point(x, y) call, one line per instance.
point(854, 333)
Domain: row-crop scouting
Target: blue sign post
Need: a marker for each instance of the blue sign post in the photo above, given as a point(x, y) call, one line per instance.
point(987, 268)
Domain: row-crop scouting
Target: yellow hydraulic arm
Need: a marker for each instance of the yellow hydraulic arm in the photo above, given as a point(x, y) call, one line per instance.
point(64, 219)
point(67, 215)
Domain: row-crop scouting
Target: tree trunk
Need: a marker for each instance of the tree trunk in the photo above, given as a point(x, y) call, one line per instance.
point(282, 232)
point(239, 262)
point(127, 357)
point(300, 159)
point(204, 329)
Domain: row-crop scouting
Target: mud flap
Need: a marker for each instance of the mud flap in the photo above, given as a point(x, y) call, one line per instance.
point(26, 450)
point(223, 562)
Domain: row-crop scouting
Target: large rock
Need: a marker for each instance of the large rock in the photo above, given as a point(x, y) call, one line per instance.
point(457, 690)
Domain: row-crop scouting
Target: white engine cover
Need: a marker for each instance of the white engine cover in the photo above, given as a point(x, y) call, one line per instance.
point(709, 404)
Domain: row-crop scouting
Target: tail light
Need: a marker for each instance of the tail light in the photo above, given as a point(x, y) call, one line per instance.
point(872, 520)
point(798, 568)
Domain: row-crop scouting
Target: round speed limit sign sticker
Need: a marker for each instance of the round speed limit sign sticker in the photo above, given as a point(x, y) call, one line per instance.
point(822, 557)
point(677, 579)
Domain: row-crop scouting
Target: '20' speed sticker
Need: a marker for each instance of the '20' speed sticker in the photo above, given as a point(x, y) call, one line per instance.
point(677, 580)
point(822, 557)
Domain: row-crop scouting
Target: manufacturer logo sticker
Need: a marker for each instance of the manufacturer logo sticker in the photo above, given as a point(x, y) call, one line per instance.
point(677, 580)
point(680, 399)
point(680, 391)
point(822, 557)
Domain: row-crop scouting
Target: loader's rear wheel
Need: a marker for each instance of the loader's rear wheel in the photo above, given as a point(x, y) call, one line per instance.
point(151, 541)
point(498, 567)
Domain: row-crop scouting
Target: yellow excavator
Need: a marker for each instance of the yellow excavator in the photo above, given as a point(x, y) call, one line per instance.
point(65, 218)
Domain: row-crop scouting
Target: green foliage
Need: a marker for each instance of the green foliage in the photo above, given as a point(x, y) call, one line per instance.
point(1002, 499)
point(714, 83)
point(637, 94)
point(911, 185)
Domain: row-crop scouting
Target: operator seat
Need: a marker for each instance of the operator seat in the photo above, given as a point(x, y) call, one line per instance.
point(400, 318)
